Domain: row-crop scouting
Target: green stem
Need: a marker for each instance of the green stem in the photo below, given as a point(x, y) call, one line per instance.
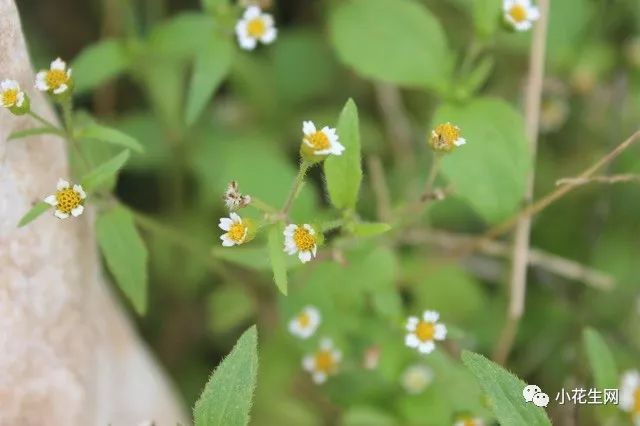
point(431, 179)
point(262, 206)
point(67, 114)
point(334, 224)
point(42, 120)
point(297, 183)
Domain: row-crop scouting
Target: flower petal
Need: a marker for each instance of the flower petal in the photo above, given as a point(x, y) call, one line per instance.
point(77, 211)
point(62, 184)
point(60, 214)
point(51, 200)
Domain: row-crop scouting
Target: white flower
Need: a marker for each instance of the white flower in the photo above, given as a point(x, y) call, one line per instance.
point(233, 199)
point(469, 421)
point(56, 80)
point(237, 230)
point(301, 240)
point(423, 332)
point(520, 14)
point(10, 94)
point(446, 137)
point(323, 362)
point(255, 26)
point(321, 142)
point(416, 378)
point(67, 200)
point(630, 395)
point(305, 323)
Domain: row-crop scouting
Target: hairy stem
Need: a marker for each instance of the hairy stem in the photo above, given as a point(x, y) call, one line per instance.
point(297, 183)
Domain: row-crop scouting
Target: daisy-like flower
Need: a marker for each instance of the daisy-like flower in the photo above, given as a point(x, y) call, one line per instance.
point(255, 26)
point(520, 14)
point(68, 201)
point(56, 80)
point(233, 199)
point(424, 332)
point(630, 395)
point(446, 137)
point(12, 98)
point(316, 144)
point(416, 378)
point(301, 239)
point(305, 323)
point(323, 363)
point(467, 420)
point(239, 231)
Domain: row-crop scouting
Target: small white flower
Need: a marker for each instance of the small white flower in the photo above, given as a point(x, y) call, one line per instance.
point(233, 199)
point(301, 240)
point(520, 14)
point(321, 142)
point(323, 362)
point(305, 323)
point(68, 201)
point(630, 395)
point(237, 230)
point(255, 26)
point(416, 378)
point(424, 332)
point(56, 79)
point(469, 421)
point(446, 137)
point(10, 94)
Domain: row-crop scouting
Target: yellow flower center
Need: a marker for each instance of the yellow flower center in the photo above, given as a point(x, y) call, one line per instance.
point(636, 405)
point(425, 331)
point(518, 13)
point(67, 200)
point(303, 239)
point(10, 97)
point(56, 78)
point(304, 320)
point(256, 27)
point(237, 232)
point(324, 361)
point(444, 137)
point(468, 422)
point(319, 141)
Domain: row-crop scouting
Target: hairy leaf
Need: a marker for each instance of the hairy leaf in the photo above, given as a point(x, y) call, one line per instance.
point(99, 63)
point(105, 172)
point(39, 208)
point(603, 366)
point(109, 135)
point(278, 258)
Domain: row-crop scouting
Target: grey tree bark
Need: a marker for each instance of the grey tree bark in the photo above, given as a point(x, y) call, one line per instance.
point(68, 353)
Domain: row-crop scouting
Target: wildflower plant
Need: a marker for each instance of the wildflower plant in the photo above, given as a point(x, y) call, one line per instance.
point(344, 190)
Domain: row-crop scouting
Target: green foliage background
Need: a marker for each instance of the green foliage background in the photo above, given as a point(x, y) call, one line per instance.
point(149, 68)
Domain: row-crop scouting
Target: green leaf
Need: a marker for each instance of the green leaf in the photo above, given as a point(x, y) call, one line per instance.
point(603, 366)
point(397, 41)
point(504, 391)
point(182, 36)
point(344, 172)
point(213, 4)
point(99, 63)
point(109, 135)
point(227, 396)
point(278, 258)
point(486, 16)
point(104, 172)
point(39, 208)
point(370, 416)
point(369, 229)
point(125, 254)
point(37, 131)
point(489, 171)
point(212, 64)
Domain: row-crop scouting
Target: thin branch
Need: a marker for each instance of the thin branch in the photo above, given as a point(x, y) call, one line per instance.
point(380, 188)
point(518, 277)
point(599, 179)
point(555, 264)
point(397, 124)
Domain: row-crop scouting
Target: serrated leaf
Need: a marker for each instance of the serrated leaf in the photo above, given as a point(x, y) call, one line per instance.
point(104, 172)
point(39, 208)
point(369, 229)
point(603, 365)
point(489, 171)
point(278, 258)
point(125, 254)
point(109, 135)
point(211, 66)
point(344, 172)
point(398, 41)
point(227, 396)
point(37, 131)
point(504, 391)
point(99, 63)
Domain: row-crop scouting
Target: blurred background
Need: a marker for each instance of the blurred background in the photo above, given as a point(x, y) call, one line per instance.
point(202, 297)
